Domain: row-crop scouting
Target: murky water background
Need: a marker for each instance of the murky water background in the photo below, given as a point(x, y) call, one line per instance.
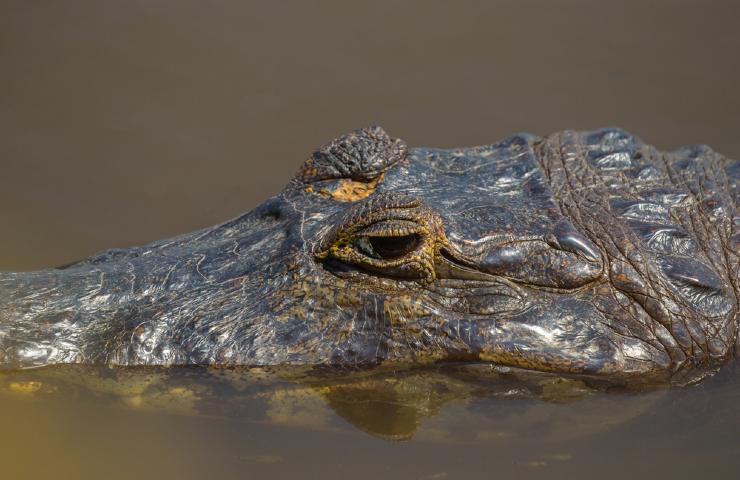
point(195, 423)
point(124, 122)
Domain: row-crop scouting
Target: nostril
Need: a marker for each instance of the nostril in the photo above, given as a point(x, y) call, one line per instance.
point(565, 237)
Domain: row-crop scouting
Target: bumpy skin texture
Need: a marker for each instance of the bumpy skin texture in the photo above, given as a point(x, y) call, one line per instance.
point(578, 253)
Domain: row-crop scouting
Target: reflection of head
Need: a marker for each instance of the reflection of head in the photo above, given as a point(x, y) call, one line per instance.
point(456, 403)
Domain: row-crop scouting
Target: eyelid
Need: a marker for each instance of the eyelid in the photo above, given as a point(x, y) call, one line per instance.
point(391, 228)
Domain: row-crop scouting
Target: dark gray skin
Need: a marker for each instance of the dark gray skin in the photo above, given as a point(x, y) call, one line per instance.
point(578, 253)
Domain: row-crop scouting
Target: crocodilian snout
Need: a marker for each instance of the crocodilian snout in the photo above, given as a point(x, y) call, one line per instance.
point(563, 258)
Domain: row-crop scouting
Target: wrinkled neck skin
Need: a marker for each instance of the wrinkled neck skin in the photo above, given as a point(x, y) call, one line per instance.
point(586, 254)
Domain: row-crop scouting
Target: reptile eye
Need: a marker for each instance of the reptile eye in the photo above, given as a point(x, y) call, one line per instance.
point(388, 248)
point(397, 241)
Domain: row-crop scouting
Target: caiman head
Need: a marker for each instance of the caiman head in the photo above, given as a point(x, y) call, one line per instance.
point(580, 253)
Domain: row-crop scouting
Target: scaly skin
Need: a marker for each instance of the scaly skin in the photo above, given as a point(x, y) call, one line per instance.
point(578, 253)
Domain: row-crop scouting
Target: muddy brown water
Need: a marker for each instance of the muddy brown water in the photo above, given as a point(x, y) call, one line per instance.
point(125, 122)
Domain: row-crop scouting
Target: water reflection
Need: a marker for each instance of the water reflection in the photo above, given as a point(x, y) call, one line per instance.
point(482, 403)
point(187, 423)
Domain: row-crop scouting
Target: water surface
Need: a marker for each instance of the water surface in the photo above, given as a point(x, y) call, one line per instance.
point(85, 422)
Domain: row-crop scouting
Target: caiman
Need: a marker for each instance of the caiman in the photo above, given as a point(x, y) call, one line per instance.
point(580, 253)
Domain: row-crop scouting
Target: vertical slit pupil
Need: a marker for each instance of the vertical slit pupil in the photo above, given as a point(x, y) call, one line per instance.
point(392, 247)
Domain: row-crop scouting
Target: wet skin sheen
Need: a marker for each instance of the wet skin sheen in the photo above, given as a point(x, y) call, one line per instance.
point(579, 253)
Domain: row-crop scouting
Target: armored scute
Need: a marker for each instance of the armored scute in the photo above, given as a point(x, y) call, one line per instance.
point(579, 253)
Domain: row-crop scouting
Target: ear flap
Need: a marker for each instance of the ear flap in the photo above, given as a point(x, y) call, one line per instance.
point(361, 155)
